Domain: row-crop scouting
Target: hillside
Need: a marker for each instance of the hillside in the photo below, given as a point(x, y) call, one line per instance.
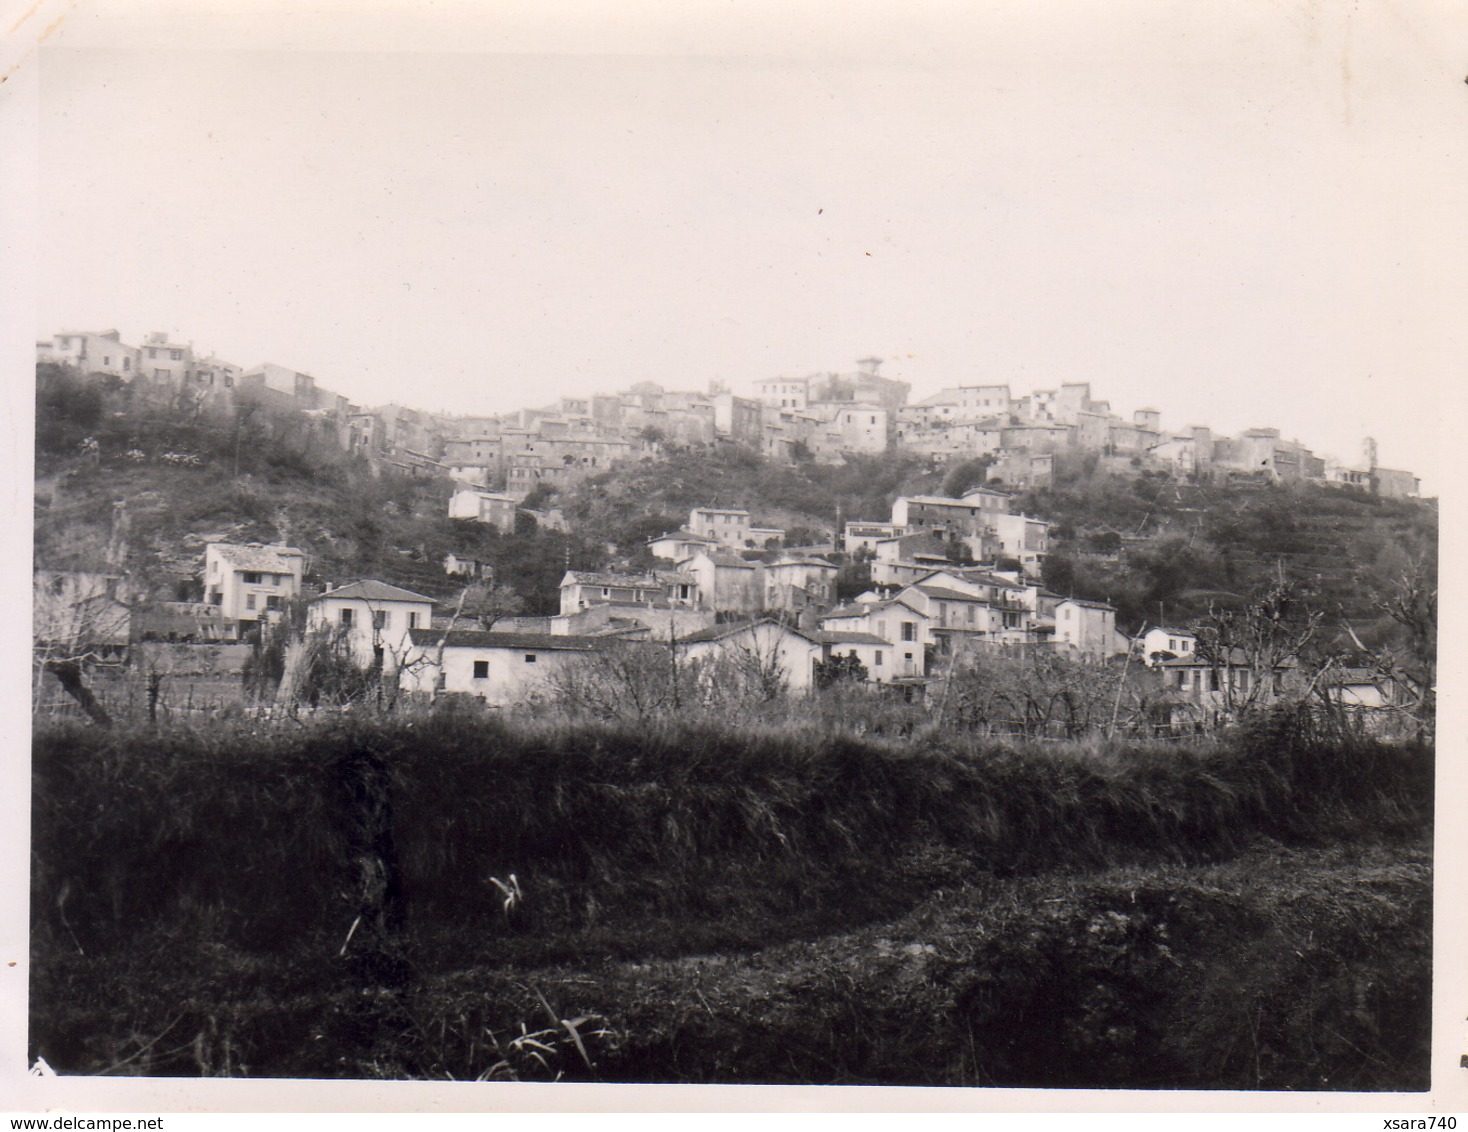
point(258, 478)
point(1160, 549)
point(1163, 550)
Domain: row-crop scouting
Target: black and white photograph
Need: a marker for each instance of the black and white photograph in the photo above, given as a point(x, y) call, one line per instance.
point(706, 545)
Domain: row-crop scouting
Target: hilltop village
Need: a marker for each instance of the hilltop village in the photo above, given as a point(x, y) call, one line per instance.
point(949, 574)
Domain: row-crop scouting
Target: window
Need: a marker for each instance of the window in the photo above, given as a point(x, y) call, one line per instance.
point(250, 578)
point(412, 620)
point(379, 619)
point(106, 359)
point(909, 631)
point(152, 353)
point(529, 658)
point(1213, 679)
point(481, 670)
point(877, 661)
point(176, 355)
point(249, 601)
point(346, 618)
point(127, 364)
point(272, 601)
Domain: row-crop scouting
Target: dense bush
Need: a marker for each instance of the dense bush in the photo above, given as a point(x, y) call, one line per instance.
point(613, 822)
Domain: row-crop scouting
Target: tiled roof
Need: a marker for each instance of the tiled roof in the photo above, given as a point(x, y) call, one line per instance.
point(719, 632)
point(945, 594)
point(838, 637)
point(371, 590)
point(809, 560)
point(479, 639)
point(1237, 658)
point(271, 559)
point(1085, 603)
point(729, 560)
point(844, 611)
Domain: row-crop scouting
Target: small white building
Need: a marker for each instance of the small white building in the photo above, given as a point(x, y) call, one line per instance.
point(494, 508)
point(773, 650)
point(905, 628)
point(374, 618)
point(251, 583)
point(499, 668)
point(100, 351)
point(1089, 627)
point(1160, 643)
point(726, 583)
point(1024, 539)
point(875, 655)
point(678, 545)
point(796, 582)
point(866, 535)
point(581, 589)
point(727, 526)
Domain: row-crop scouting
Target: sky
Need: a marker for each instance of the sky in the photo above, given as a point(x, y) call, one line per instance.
point(1240, 215)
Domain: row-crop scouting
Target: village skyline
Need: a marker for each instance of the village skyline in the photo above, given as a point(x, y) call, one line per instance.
point(496, 230)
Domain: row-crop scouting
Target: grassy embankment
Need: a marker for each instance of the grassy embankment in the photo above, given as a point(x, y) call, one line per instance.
point(693, 903)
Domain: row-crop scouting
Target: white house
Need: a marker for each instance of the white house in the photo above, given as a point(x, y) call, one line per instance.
point(678, 545)
point(374, 619)
point(251, 583)
point(866, 535)
point(494, 508)
point(796, 582)
point(727, 526)
point(1160, 643)
point(726, 582)
point(93, 352)
point(766, 646)
point(903, 626)
point(1089, 627)
point(583, 588)
point(1024, 539)
point(875, 654)
point(499, 668)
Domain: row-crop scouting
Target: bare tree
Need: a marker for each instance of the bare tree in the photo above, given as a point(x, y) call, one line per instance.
point(1029, 691)
point(79, 621)
point(1408, 597)
point(630, 680)
point(1265, 637)
point(478, 606)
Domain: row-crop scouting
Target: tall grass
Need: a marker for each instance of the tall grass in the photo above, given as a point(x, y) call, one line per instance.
point(267, 838)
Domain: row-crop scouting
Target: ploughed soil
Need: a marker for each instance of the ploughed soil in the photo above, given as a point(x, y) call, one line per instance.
point(1282, 968)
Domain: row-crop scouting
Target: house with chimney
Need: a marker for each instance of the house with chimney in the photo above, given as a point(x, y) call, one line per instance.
point(251, 583)
point(372, 619)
